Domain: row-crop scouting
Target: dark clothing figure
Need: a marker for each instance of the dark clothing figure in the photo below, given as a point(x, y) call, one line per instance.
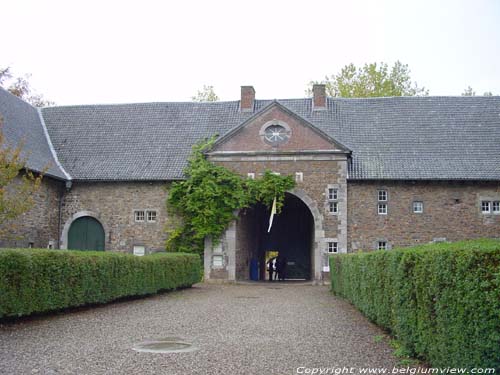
point(281, 267)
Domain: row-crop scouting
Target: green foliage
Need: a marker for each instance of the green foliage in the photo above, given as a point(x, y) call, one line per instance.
point(40, 280)
point(372, 80)
point(208, 198)
point(207, 94)
point(441, 301)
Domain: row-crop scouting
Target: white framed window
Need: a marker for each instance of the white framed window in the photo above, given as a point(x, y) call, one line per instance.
point(333, 194)
point(382, 195)
point(251, 175)
point(139, 216)
point(139, 250)
point(382, 245)
point(418, 207)
point(299, 176)
point(485, 207)
point(333, 207)
point(496, 207)
point(217, 261)
point(151, 216)
point(382, 208)
point(333, 247)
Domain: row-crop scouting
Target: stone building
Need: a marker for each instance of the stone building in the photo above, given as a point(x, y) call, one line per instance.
point(371, 174)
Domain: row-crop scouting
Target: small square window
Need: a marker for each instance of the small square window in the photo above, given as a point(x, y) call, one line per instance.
point(382, 195)
point(299, 176)
point(151, 216)
point(139, 216)
point(418, 207)
point(382, 245)
point(333, 194)
point(139, 250)
point(496, 207)
point(485, 207)
point(333, 207)
point(333, 247)
point(382, 208)
point(251, 176)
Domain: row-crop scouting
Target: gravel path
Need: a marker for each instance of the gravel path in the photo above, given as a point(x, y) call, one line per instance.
point(238, 329)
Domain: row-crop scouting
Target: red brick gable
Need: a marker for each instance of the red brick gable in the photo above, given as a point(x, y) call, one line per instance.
point(303, 136)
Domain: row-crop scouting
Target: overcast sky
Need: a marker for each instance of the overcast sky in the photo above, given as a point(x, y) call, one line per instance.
point(105, 51)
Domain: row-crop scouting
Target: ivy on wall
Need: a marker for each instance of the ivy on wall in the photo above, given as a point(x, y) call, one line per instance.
point(207, 200)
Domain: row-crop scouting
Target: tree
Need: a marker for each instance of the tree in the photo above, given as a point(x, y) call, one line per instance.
point(469, 91)
point(17, 186)
point(20, 87)
point(372, 80)
point(207, 94)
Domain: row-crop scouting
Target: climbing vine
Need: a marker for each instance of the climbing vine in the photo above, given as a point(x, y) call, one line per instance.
point(206, 201)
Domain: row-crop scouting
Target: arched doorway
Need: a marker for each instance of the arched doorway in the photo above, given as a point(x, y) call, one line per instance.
point(291, 235)
point(86, 233)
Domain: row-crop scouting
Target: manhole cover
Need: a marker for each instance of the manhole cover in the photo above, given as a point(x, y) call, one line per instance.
point(164, 346)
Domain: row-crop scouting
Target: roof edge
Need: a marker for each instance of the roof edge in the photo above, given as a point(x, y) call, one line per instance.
point(51, 146)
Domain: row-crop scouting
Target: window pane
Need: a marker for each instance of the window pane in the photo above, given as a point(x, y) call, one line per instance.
point(152, 216)
point(382, 195)
point(418, 207)
point(382, 245)
point(485, 206)
point(333, 207)
point(382, 209)
point(332, 194)
point(139, 215)
point(332, 247)
point(496, 207)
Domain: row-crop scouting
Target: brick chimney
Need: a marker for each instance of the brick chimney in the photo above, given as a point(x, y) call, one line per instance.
point(247, 99)
point(319, 97)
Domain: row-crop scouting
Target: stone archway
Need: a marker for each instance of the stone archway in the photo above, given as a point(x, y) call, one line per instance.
point(221, 262)
point(75, 217)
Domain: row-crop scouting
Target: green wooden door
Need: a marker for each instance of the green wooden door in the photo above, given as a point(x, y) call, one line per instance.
point(86, 233)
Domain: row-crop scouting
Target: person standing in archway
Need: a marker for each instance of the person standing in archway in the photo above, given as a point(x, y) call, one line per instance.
point(281, 267)
point(271, 266)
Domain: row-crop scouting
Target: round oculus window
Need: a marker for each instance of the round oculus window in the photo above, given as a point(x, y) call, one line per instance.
point(276, 134)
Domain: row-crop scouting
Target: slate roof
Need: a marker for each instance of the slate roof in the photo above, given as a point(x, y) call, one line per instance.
point(23, 124)
point(397, 138)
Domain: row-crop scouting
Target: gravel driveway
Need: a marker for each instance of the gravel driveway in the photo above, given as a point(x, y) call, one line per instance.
point(237, 329)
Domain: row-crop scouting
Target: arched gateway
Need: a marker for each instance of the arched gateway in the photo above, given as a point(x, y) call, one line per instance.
point(314, 217)
point(296, 233)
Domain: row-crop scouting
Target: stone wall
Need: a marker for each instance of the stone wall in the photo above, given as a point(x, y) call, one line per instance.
point(318, 174)
point(452, 212)
point(113, 204)
point(246, 243)
point(39, 226)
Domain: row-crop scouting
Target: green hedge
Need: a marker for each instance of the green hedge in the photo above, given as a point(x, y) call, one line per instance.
point(36, 280)
point(441, 301)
